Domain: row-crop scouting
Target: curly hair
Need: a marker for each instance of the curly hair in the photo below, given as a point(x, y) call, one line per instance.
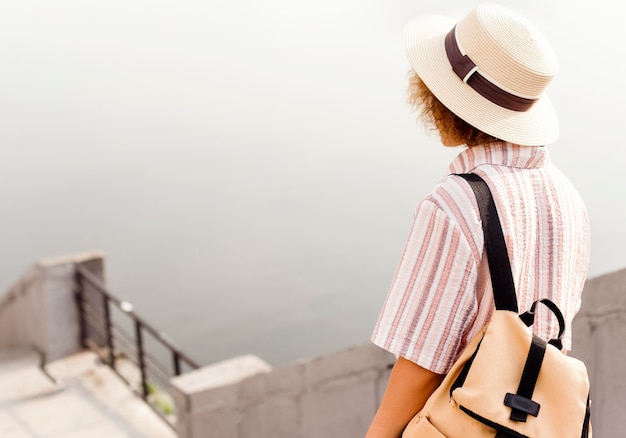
point(437, 118)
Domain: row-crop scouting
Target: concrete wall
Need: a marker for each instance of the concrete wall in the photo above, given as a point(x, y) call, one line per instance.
point(600, 341)
point(337, 395)
point(39, 310)
point(333, 396)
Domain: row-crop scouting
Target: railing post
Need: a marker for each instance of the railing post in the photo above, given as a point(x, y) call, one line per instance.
point(79, 296)
point(141, 359)
point(176, 359)
point(109, 330)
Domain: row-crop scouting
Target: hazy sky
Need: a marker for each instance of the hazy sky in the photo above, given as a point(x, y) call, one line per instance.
point(258, 149)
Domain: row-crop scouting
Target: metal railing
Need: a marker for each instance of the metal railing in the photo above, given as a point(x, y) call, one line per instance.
point(133, 349)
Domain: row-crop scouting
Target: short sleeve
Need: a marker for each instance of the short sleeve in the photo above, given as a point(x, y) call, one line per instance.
point(431, 304)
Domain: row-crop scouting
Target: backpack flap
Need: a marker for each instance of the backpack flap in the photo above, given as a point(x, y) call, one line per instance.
point(552, 403)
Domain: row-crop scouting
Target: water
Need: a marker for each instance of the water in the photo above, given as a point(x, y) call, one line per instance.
point(251, 172)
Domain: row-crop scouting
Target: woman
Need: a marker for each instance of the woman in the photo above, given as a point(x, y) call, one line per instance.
point(480, 83)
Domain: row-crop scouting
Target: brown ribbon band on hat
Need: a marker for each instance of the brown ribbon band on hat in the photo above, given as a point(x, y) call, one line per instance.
point(465, 69)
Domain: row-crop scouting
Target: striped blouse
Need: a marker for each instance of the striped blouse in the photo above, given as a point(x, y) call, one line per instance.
point(441, 295)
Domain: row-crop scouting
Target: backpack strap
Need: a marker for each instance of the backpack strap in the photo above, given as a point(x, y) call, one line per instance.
point(497, 254)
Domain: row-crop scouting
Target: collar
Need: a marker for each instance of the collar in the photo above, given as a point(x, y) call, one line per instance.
point(500, 154)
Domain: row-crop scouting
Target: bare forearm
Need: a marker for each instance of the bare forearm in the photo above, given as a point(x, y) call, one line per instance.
point(407, 391)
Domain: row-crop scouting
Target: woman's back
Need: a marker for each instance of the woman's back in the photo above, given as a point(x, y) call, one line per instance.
point(430, 318)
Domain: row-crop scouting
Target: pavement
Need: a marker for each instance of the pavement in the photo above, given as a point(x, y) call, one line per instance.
point(75, 397)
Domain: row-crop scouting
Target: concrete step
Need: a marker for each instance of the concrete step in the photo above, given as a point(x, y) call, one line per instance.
point(22, 378)
point(88, 400)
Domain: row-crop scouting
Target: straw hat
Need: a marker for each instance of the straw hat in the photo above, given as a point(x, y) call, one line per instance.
point(491, 69)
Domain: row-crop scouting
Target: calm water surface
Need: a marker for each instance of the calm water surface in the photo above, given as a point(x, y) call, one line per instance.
point(251, 173)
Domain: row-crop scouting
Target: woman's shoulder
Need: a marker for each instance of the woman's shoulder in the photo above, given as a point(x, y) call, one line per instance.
point(453, 195)
point(452, 205)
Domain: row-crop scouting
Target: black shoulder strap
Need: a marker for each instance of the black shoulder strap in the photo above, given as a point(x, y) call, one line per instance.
point(497, 255)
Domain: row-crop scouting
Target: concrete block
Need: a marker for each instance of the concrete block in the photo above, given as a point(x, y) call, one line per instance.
point(598, 330)
point(287, 381)
point(220, 397)
point(383, 379)
point(277, 418)
point(220, 423)
point(351, 361)
point(217, 386)
point(341, 408)
point(583, 342)
point(39, 311)
point(608, 383)
point(22, 312)
point(253, 390)
point(62, 328)
point(183, 416)
point(181, 400)
point(605, 293)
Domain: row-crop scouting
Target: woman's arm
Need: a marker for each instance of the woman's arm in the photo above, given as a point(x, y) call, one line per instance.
point(409, 387)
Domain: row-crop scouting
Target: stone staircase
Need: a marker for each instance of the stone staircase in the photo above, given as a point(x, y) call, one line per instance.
point(72, 397)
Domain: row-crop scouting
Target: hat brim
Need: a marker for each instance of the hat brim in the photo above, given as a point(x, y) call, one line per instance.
point(425, 50)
